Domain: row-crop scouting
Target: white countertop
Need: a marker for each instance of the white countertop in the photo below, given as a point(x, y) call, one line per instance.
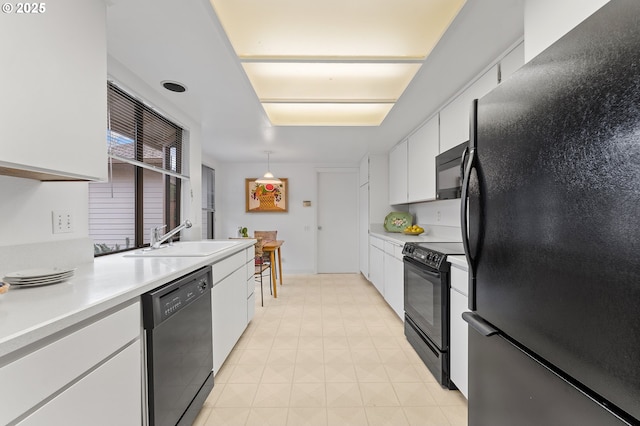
point(432, 234)
point(30, 314)
point(459, 261)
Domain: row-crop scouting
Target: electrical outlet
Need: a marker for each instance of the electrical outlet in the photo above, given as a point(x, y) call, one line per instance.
point(439, 216)
point(62, 221)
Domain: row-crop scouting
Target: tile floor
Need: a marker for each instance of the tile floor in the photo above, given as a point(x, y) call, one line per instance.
point(328, 351)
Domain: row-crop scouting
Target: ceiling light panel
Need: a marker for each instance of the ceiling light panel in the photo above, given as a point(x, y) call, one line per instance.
point(335, 28)
point(326, 114)
point(330, 81)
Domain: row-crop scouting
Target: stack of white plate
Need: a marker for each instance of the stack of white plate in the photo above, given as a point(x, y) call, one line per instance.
point(36, 277)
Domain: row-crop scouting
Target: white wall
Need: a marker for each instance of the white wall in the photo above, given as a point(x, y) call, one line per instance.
point(25, 216)
point(297, 227)
point(438, 213)
point(545, 21)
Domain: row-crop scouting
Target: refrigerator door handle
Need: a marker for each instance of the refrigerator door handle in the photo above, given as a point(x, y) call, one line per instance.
point(476, 322)
point(473, 124)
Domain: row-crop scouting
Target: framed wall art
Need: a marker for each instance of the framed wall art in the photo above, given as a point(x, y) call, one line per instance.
point(268, 197)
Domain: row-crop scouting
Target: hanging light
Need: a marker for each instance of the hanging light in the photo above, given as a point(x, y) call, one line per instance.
point(268, 177)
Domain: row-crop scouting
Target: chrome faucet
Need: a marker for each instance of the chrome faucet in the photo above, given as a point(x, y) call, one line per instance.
point(157, 239)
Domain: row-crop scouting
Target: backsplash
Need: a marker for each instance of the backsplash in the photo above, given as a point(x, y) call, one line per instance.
point(437, 213)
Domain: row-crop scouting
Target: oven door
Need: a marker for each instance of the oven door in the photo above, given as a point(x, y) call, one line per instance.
point(424, 300)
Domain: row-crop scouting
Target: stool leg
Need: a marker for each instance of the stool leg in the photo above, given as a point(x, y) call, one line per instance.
point(261, 292)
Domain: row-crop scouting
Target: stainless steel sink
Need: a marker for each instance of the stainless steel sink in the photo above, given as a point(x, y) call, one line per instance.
point(185, 249)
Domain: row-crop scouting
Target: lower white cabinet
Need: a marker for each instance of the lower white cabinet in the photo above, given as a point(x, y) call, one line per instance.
point(229, 305)
point(87, 375)
point(376, 263)
point(459, 347)
point(109, 395)
point(394, 277)
point(251, 283)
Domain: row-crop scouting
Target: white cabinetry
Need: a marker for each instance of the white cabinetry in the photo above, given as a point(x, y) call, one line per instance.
point(363, 229)
point(545, 21)
point(80, 376)
point(398, 191)
point(54, 105)
point(394, 277)
point(376, 266)
point(423, 147)
point(459, 334)
point(373, 201)
point(512, 62)
point(251, 282)
point(229, 305)
point(454, 118)
point(117, 380)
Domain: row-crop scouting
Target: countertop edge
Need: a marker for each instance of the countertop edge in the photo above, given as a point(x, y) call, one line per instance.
point(31, 334)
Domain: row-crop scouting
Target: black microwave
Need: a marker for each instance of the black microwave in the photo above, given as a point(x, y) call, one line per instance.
point(448, 172)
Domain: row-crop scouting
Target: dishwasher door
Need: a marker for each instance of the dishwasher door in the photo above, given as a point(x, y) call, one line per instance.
point(178, 335)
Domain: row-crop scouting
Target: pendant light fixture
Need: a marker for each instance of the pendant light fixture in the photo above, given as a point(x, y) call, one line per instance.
point(268, 177)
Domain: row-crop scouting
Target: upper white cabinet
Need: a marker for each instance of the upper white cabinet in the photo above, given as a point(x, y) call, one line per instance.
point(54, 105)
point(422, 152)
point(545, 21)
point(454, 118)
point(512, 62)
point(398, 191)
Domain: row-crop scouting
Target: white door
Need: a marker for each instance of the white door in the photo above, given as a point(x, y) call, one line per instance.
point(338, 221)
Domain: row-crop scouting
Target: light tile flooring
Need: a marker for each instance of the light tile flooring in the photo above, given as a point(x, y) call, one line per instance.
point(328, 351)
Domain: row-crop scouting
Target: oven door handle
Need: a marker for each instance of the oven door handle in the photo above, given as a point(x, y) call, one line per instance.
point(422, 269)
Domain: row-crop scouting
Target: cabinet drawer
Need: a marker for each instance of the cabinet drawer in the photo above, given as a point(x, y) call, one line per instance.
point(34, 377)
point(460, 280)
point(226, 267)
point(251, 253)
point(109, 395)
point(377, 242)
point(251, 286)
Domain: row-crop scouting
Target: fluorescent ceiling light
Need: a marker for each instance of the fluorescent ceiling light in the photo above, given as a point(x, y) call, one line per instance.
point(330, 81)
point(335, 28)
point(326, 114)
point(333, 51)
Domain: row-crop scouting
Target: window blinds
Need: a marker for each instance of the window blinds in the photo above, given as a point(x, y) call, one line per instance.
point(138, 135)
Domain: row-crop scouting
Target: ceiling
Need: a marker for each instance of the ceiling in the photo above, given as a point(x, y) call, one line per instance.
point(182, 40)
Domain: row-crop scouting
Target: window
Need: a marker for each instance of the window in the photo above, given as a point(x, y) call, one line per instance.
point(208, 202)
point(145, 175)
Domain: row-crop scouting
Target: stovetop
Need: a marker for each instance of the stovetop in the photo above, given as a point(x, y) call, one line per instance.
point(432, 255)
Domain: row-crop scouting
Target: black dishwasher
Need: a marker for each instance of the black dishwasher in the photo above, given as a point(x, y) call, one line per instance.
point(179, 348)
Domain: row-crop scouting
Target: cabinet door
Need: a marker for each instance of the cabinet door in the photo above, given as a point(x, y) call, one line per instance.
point(422, 151)
point(363, 226)
point(376, 268)
point(512, 62)
point(454, 118)
point(109, 395)
point(54, 111)
point(393, 280)
point(364, 170)
point(459, 346)
point(398, 174)
point(229, 305)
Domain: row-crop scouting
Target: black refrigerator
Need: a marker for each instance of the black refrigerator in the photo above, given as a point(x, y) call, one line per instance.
point(551, 228)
